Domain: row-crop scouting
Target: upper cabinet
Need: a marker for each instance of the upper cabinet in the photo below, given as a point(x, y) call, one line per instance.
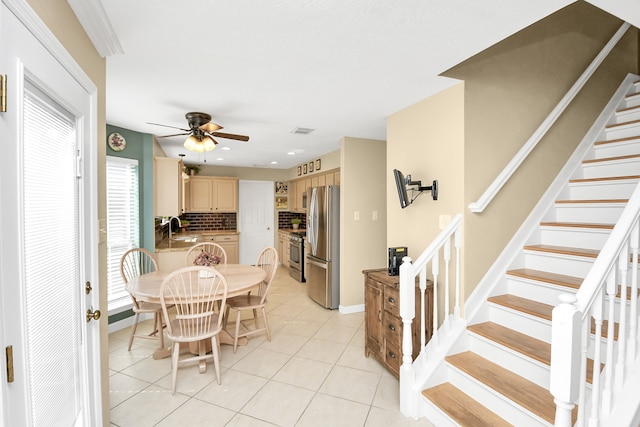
point(168, 186)
point(298, 188)
point(213, 194)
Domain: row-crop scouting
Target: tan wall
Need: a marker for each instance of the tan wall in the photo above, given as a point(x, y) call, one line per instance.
point(509, 90)
point(61, 20)
point(362, 189)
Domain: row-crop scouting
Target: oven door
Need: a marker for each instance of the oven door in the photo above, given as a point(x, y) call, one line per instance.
point(295, 255)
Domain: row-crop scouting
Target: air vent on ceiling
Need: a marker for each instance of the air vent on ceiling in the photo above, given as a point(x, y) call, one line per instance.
point(303, 131)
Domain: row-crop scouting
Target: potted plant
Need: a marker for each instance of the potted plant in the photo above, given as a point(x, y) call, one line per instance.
point(295, 223)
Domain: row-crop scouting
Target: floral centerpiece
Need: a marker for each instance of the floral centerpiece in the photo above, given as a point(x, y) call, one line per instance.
point(207, 259)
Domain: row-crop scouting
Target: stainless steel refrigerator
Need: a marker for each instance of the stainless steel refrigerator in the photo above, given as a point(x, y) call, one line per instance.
point(323, 236)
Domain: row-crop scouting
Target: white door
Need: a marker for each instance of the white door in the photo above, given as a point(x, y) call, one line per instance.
point(257, 202)
point(48, 244)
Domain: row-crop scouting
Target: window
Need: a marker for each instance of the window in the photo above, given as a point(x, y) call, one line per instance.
point(122, 223)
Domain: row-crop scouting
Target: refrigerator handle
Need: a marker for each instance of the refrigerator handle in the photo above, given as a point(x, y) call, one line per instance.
point(322, 265)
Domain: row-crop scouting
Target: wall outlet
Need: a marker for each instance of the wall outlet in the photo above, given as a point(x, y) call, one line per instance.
point(374, 215)
point(443, 221)
point(356, 215)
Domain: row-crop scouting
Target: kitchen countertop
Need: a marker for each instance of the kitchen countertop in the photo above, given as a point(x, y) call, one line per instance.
point(174, 245)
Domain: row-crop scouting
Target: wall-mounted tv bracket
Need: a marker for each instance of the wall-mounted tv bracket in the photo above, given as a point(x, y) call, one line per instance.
point(433, 188)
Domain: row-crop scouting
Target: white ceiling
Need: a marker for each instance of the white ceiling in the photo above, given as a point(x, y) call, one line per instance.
point(262, 68)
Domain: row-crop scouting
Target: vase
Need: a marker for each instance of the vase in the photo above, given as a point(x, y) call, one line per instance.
point(295, 226)
point(205, 274)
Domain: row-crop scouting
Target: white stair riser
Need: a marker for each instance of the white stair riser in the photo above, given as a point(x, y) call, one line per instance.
point(506, 409)
point(574, 237)
point(625, 115)
point(530, 325)
point(602, 190)
point(605, 169)
point(597, 213)
point(518, 363)
point(558, 263)
point(623, 148)
point(631, 101)
point(435, 414)
point(623, 131)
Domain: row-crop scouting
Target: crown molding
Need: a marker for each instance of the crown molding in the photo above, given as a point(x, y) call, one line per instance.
point(96, 24)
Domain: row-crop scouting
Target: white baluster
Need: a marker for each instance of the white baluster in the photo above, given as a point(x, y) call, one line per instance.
point(407, 312)
point(597, 310)
point(435, 267)
point(458, 244)
point(609, 363)
point(633, 315)
point(447, 259)
point(423, 319)
point(585, 337)
point(623, 262)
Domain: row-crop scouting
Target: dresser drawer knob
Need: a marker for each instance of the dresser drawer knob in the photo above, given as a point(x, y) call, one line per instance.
point(392, 300)
point(393, 328)
point(392, 355)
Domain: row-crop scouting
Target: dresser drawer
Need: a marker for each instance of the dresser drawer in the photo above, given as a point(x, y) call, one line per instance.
point(392, 300)
point(393, 357)
point(393, 330)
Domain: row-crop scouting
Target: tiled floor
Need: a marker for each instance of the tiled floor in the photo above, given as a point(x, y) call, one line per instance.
point(312, 373)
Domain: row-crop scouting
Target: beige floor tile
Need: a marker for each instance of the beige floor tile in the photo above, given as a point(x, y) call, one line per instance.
point(189, 380)
point(196, 413)
point(321, 350)
point(304, 328)
point(305, 373)
point(331, 411)
point(287, 311)
point(121, 358)
point(354, 320)
point(388, 394)
point(359, 338)
point(149, 369)
point(228, 358)
point(236, 390)
point(123, 387)
point(241, 420)
point(353, 384)
point(384, 418)
point(335, 333)
point(353, 357)
point(146, 408)
point(263, 363)
point(284, 343)
point(316, 313)
point(278, 403)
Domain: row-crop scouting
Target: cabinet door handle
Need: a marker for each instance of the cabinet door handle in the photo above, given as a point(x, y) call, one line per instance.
point(391, 300)
point(393, 328)
point(380, 315)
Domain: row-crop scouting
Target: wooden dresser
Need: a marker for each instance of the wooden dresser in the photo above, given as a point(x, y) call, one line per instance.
point(383, 324)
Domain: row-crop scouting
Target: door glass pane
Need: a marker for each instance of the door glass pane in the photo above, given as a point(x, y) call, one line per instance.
point(51, 258)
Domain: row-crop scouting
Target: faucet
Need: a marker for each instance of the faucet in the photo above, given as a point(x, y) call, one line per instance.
point(170, 221)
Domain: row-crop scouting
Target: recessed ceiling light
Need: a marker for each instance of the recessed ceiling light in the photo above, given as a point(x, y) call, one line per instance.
point(226, 148)
point(291, 153)
point(274, 162)
point(220, 158)
point(302, 131)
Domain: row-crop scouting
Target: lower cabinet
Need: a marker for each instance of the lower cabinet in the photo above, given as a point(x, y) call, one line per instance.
point(283, 248)
point(229, 243)
point(383, 324)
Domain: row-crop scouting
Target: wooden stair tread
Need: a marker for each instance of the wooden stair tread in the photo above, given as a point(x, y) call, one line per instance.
point(462, 408)
point(614, 141)
point(547, 277)
point(524, 344)
point(528, 306)
point(610, 159)
point(531, 396)
point(577, 225)
point(566, 250)
point(615, 125)
point(585, 201)
point(606, 178)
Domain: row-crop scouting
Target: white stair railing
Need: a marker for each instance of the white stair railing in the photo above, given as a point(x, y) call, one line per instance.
point(571, 328)
point(409, 270)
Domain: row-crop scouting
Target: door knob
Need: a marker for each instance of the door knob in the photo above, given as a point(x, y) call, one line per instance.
point(95, 315)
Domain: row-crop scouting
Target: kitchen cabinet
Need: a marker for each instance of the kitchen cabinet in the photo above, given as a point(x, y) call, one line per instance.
point(229, 243)
point(383, 324)
point(213, 194)
point(167, 186)
point(283, 248)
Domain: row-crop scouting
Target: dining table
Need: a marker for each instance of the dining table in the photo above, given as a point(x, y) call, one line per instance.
point(241, 278)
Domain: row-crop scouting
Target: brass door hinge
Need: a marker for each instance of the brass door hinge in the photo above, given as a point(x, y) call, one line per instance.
point(3, 93)
point(9, 355)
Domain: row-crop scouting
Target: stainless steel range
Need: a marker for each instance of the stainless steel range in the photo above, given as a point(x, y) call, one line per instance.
point(296, 255)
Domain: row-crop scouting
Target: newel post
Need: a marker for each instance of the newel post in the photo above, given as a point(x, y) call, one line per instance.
point(408, 403)
point(565, 358)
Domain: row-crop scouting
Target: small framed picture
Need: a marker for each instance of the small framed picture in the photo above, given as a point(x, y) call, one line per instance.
point(282, 203)
point(304, 169)
point(282, 187)
point(299, 170)
point(310, 167)
point(318, 164)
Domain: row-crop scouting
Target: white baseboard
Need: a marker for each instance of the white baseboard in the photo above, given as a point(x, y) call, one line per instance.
point(350, 309)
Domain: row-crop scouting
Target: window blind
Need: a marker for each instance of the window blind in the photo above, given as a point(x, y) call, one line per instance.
point(122, 222)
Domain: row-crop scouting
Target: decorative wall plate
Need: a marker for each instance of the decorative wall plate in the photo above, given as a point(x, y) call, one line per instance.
point(116, 141)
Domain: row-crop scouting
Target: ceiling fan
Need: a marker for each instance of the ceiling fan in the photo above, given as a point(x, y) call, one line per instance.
point(201, 132)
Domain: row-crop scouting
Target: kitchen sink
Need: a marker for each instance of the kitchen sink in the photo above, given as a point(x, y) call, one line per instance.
point(188, 238)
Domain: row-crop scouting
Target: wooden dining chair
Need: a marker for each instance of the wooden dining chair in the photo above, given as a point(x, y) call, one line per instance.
point(212, 248)
point(268, 261)
point(194, 291)
point(135, 262)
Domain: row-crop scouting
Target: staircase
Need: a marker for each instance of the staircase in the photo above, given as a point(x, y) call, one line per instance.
point(497, 373)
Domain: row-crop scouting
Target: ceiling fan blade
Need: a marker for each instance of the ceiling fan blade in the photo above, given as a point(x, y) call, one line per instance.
point(167, 126)
point(210, 127)
point(175, 134)
point(230, 136)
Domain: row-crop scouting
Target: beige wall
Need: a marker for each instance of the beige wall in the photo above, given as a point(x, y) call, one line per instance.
point(362, 190)
point(61, 20)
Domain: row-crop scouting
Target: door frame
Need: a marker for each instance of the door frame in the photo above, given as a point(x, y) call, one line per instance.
point(91, 236)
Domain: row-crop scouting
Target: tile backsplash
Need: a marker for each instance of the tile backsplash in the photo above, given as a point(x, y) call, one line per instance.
point(284, 219)
point(211, 221)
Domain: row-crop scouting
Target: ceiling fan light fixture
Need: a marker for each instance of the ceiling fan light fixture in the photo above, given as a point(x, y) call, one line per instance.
point(193, 144)
point(208, 143)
